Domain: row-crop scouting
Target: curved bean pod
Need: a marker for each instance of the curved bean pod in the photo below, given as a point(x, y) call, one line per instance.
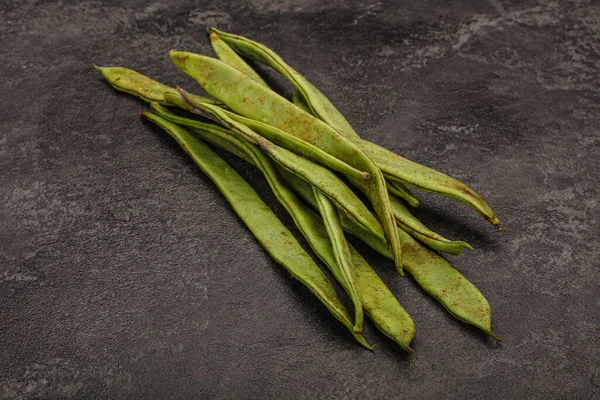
point(298, 146)
point(316, 101)
point(305, 222)
point(226, 54)
point(139, 85)
point(415, 228)
point(318, 176)
point(433, 273)
point(400, 190)
point(341, 251)
point(406, 221)
point(438, 278)
point(403, 170)
point(253, 100)
point(260, 220)
point(379, 303)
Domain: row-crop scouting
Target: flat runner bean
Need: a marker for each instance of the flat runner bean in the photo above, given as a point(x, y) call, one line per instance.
point(392, 165)
point(253, 100)
point(260, 220)
point(379, 303)
point(433, 273)
point(318, 176)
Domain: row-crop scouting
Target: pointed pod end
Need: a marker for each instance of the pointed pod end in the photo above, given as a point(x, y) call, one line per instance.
point(413, 202)
point(494, 336)
point(496, 222)
point(187, 97)
point(400, 269)
point(465, 244)
point(360, 339)
point(411, 352)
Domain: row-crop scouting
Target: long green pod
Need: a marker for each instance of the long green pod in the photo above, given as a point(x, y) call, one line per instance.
point(320, 105)
point(341, 250)
point(226, 54)
point(406, 221)
point(305, 191)
point(394, 188)
point(306, 222)
point(379, 303)
point(298, 146)
point(432, 272)
point(400, 190)
point(318, 176)
point(390, 163)
point(277, 136)
point(260, 220)
point(253, 100)
point(410, 224)
point(438, 278)
point(405, 171)
point(139, 85)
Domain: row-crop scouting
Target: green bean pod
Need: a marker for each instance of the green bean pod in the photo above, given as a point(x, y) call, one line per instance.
point(403, 170)
point(298, 146)
point(415, 228)
point(139, 85)
point(400, 190)
point(341, 250)
point(277, 136)
point(379, 303)
point(260, 220)
point(226, 54)
point(433, 273)
point(437, 277)
point(315, 101)
point(406, 221)
point(306, 222)
point(318, 176)
point(253, 100)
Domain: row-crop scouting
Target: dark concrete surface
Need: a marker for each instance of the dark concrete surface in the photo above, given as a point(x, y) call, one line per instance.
point(124, 274)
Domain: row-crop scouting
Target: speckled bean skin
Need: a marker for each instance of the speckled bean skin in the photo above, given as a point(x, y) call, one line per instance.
point(260, 220)
point(253, 100)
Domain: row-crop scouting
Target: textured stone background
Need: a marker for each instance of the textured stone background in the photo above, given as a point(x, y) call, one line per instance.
point(124, 274)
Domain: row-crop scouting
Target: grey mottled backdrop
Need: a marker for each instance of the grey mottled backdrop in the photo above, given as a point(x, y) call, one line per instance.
point(124, 274)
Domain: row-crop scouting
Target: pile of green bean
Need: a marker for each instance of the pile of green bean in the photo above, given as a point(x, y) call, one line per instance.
point(314, 162)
